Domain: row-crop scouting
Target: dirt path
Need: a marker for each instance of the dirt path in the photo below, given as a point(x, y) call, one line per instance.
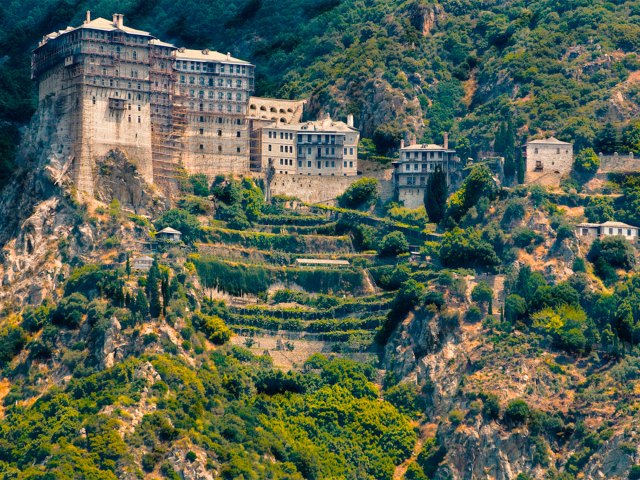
point(426, 431)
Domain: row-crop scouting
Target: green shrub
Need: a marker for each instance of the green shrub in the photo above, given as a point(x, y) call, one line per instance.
point(587, 161)
point(616, 252)
point(361, 194)
point(466, 248)
point(199, 184)
point(12, 339)
point(517, 412)
point(491, 406)
point(70, 311)
point(181, 220)
point(393, 244)
point(405, 397)
point(456, 417)
point(473, 314)
point(213, 327)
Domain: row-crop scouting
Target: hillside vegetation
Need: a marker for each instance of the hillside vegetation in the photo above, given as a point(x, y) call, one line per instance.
point(399, 65)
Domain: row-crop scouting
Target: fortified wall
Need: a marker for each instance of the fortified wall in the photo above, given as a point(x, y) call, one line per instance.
point(619, 163)
point(318, 189)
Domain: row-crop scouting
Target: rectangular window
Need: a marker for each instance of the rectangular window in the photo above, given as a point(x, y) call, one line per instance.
point(299, 163)
point(309, 164)
point(351, 151)
point(319, 164)
point(350, 164)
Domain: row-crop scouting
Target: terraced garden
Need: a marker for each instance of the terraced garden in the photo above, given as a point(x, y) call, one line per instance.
point(273, 303)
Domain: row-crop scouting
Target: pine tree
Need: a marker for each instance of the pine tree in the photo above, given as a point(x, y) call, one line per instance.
point(435, 196)
point(152, 290)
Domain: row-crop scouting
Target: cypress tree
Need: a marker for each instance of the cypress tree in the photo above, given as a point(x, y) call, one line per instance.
point(128, 266)
point(140, 307)
point(164, 288)
point(509, 151)
point(153, 293)
point(435, 196)
point(606, 140)
point(520, 167)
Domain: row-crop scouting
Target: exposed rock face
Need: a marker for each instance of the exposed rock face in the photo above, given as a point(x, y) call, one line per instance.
point(448, 360)
point(190, 470)
point(425, 17)
point(485, 450)
point(112, 341)
point(118, 178)
point(378, 104)
point(44, 225)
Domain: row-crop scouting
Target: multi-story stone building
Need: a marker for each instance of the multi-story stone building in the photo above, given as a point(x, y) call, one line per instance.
point(322, 147)
point(214, 90)
point(94, 92)
point(104, 85)
point(548, 155)
point(417, 162)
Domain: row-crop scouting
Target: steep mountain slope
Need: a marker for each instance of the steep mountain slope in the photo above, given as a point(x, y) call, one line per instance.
point(398, 65)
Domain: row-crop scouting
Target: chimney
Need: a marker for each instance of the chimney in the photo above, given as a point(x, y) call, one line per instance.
point(88, 17)
point(445, 135)
point(402, 143)
point(412, 139)
point(228, 55)
point(350, 120)
point(118, 20)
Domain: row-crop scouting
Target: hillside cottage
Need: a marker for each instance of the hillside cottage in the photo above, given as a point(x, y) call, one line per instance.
point(169, 234)
point(591, 231)
point(143, 263)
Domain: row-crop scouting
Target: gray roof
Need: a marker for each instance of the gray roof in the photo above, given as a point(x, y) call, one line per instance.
point(548, 141)
point(605, 224)
point(425, 147)
point(169, 230)
point(617, 224)
point(207, 56)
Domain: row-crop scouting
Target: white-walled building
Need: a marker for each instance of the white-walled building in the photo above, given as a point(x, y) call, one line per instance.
point(591, 231)
point(321, 147)
point(417, 162)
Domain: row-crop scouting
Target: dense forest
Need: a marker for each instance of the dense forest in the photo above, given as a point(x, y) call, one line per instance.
point(399, 66)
